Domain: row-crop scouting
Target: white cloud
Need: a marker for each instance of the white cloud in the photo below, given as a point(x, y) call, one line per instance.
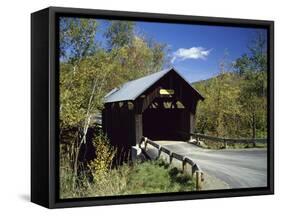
point(190, 53)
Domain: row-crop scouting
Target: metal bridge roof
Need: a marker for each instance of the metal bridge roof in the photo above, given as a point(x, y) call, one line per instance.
point(132, 89)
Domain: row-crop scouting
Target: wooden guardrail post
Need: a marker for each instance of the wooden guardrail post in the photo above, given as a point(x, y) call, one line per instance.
point(198, 179)
point(171, 157)
point(184, 168)
point(159, 152)
point(254, 143)
point(145, 143)
point(198, 175)
point(225, 143)
point(197, 140)
point(196, 172)
point(193, 169)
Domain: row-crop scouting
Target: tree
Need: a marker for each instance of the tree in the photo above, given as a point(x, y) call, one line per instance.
point(255, 61)
point(88, 72)
point(81, 95)
point(252, 67)
point(77, 38)
point(119, 34)
point(236, 100)
point(219, 113)
point(134, 61)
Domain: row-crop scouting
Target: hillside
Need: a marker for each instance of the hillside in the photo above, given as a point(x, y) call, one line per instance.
point(228, 108)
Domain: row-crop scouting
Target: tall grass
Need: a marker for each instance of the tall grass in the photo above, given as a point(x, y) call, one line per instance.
point(138, 178)
point(98, 178)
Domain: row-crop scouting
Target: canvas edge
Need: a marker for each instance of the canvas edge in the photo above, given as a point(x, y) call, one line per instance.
point(53, 202)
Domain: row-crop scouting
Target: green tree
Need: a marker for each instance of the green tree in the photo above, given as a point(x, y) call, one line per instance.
point(253, 70)
point(81, 93)
point(119, 34)
point(218, 114)
point(236, 100)
point(89, 71)
point(77, 38)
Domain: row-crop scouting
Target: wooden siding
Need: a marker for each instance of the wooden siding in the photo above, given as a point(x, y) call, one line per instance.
point(148, 115)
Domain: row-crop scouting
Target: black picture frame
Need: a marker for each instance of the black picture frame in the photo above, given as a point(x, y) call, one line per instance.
point(45, 98)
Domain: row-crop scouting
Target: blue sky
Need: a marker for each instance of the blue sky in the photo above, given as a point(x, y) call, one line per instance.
point(197, 49)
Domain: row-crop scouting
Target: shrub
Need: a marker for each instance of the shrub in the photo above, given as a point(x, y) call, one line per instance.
point(100, 166)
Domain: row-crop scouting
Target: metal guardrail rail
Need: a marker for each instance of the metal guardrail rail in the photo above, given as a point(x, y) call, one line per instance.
point(196, 172)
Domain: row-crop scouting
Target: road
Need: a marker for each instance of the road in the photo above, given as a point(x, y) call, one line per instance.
point(238, 168)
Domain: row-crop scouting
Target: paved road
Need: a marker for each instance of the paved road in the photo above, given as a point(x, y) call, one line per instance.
point(239, 168)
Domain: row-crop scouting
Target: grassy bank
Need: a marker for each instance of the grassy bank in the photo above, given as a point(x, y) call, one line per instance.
point(139, 178)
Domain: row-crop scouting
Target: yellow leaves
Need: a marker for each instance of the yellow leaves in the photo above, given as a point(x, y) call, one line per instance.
point(104, 155)
point(99, 71)
point(230, 102)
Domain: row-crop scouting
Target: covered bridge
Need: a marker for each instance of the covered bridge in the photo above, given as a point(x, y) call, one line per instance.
point(157, 106)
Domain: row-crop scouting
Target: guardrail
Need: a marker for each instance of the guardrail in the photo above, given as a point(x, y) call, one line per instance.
point(224, 140)
point(196, 172)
